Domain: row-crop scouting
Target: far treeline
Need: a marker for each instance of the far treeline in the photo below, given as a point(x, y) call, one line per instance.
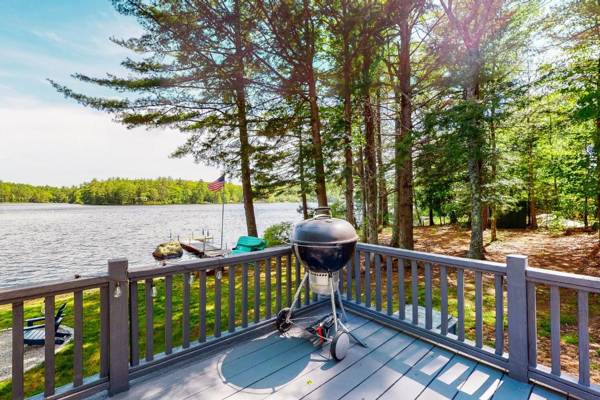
point(118, 191)
point(467, 109)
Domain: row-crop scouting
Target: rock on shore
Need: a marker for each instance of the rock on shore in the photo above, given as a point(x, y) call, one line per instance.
point(168, 250)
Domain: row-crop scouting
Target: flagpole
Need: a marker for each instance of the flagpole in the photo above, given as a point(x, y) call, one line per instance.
point(222, 209)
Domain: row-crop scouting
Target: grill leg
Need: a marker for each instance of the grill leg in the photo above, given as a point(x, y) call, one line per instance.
point(335, 321)
point(296, 296)
point(339, 295)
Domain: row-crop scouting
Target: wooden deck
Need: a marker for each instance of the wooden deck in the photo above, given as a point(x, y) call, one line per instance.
point(394, 366)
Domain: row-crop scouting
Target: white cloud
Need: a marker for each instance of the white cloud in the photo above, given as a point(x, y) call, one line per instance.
point(66, 145)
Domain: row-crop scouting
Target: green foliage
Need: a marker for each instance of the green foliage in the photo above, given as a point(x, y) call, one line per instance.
point(278, 234)
point(119, 191)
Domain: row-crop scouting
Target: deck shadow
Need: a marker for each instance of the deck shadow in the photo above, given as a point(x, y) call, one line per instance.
point(289, 358)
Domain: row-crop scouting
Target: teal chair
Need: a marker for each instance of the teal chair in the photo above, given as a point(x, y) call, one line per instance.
point(246, 244)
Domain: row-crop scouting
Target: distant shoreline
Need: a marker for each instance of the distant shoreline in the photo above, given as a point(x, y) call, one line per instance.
point(143, 205)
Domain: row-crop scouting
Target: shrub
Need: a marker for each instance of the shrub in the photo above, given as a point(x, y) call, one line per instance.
point(278, 234)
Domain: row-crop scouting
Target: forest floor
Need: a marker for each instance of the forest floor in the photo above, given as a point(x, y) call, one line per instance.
point(576, 252)
point(572, 251)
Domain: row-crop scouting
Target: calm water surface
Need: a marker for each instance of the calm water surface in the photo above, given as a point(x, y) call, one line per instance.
point(49, 241)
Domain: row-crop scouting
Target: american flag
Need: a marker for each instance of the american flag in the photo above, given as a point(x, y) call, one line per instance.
point(217, 185)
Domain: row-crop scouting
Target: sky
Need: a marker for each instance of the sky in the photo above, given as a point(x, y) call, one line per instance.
point(47, 139)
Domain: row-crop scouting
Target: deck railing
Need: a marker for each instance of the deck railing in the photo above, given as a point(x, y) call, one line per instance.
point(412, 291)
point(48, 292)
point(153, 316)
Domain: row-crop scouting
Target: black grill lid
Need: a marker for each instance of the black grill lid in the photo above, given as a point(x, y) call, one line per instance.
point(323, 230)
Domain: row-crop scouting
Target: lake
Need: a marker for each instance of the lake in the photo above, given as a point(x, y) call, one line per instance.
point(49, 241)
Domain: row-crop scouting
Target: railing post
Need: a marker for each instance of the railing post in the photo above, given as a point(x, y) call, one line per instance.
point(517, 317)
point(118, 294)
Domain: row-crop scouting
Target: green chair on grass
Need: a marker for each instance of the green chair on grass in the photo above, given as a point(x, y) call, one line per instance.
point(246, 244)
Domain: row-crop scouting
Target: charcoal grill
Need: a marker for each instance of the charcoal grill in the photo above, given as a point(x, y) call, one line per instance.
point(324, 245)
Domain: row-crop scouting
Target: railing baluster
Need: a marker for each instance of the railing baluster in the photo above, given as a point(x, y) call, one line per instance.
point(134, 330)
point(202, 288)
point(18, 351)
point(349, 270)
point(278, 283)
point(288, 279)
point(357, 287)
point(168, 314)
point(377, 281)
point(478, 309)
point(256, 292)
point(148, 289)
point(217, 278)
point(401, 291)
point(186, 311)
point(444, 299)
point(104, 331)
point(531, 325)
point(499, 293)
point(460, 304)
point(231, 298)
point(555, 328)
point(367, 279)
point(78, 338)
point(307, 291)
point(415, 291)
point(584, 337)
point(268, 298)
point(244, 295)
point(389, 288)
point(297, 277)
point(428, 296)
point(49, 338)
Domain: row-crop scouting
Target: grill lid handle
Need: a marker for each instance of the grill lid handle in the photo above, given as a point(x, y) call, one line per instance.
point(322, 212)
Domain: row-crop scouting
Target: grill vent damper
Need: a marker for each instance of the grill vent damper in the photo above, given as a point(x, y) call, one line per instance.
point(324, 245)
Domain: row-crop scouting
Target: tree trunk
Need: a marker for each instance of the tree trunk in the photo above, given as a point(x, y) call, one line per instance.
point(403, 184)
point(494, 158)
point(370, 152)
point(315, 122)
point(431, 221)
point(363, 194)
point(316, 143)
point(302, 175)
point(245, 149)
point(476, 244)
point(475, 163)
point(531, 182)
point(586, 222)
point(383, 216)
point(347, 93)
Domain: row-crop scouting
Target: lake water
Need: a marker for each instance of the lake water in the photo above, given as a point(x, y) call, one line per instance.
point(50, 241)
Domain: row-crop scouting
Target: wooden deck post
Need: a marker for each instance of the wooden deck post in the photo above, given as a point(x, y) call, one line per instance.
point(517, 317)
point(118, 294)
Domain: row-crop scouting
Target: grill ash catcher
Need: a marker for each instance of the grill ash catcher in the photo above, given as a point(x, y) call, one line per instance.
point(324, 245)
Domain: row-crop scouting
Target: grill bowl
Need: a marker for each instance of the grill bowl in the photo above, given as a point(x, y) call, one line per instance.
point(324, 244)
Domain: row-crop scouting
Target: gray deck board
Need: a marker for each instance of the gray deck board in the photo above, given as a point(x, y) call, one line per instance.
point(384, 377)
point(273, 366)
point(416, 380)
point(341, 384)
point(447, 383)
point(481, 384)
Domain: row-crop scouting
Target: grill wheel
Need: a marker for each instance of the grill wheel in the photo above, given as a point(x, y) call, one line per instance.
point(339, 346)
point(282, 323)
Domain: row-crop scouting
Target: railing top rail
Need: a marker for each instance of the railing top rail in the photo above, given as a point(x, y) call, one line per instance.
point(564, 279)
point(205, 263)
point(465, 263)
point(26, 292)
